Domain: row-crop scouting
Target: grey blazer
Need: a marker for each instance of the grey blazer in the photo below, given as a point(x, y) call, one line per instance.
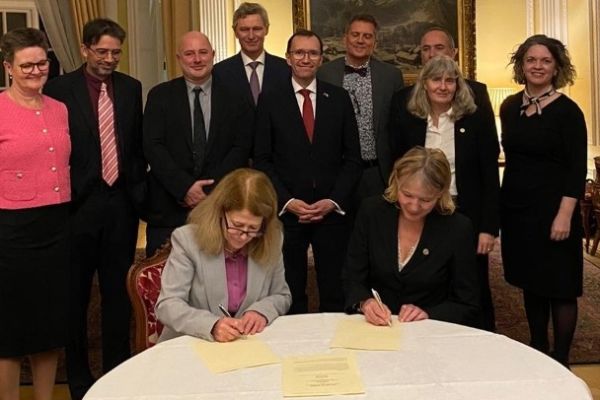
point(194, 284)
point(386, 80)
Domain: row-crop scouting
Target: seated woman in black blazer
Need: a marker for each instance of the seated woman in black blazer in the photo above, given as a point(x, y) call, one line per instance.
point(413, 249)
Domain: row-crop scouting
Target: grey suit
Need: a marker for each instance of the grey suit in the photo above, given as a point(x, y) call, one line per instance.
point(386, 81)
point(194, 284)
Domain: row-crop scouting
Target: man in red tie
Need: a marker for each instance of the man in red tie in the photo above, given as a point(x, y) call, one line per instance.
point(307, 142)
point(107, 179)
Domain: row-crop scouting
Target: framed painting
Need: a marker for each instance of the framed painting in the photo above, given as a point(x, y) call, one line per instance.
point(401, 24)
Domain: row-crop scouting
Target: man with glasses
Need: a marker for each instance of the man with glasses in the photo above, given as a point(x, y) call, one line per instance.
point(196, 130)
point(307, 142)
point(371, 84)
point(252, 70)
point(107, 179)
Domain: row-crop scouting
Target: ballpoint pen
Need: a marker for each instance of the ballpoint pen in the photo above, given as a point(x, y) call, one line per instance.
point(378, 300)
point(228, 315)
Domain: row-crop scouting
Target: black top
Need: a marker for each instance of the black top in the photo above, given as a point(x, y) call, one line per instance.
point(440, 277)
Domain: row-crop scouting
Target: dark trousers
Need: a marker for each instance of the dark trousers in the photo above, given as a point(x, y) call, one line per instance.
point(329, 244)
point(156, 236)
point(104, 233)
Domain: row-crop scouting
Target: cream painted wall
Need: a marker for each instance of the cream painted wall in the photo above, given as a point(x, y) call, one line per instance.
point(500, 26)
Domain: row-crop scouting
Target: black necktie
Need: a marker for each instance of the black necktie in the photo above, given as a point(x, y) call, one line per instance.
point(348, 69)
point(199, 134)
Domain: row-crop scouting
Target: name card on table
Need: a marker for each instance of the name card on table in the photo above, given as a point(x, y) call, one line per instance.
point(321, 375)
point(241, 353)
point(358, 334)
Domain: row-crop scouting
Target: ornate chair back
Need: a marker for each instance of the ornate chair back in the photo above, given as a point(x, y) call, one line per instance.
point(143, 286)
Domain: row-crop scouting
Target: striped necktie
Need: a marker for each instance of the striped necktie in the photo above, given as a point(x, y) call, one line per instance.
point(108, 142)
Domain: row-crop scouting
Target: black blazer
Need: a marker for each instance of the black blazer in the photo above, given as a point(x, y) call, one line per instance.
point(441, 277)
point(327, 168)
point(86, 160)
point(233, 72)
point(385, 81)
point(476, 158)
point(168, 145)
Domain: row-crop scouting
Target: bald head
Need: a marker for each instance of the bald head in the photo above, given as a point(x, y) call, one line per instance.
point(436, 42)
point(195, 55)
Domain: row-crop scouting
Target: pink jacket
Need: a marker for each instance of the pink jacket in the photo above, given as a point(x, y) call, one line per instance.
point(34, 154)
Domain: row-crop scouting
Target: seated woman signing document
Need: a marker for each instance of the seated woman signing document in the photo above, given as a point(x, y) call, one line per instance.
point(228, 255)
point(411, 248)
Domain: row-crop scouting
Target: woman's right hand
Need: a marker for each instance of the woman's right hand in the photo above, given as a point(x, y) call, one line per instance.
point(226, 329)
point(374, 314)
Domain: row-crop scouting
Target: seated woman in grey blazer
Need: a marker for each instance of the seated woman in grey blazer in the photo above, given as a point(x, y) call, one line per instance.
point(227, 256)
point(412, 249)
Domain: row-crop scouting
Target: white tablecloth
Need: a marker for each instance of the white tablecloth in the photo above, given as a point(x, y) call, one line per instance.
point(436, 361)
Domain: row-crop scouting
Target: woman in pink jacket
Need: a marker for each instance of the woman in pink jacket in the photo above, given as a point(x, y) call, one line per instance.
point(34, 193)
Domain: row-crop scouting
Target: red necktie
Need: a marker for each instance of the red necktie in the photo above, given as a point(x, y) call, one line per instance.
point(308, 115)
point(108, 143)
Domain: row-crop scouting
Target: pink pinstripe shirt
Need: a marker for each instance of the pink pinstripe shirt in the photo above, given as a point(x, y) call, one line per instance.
point(34, 154)
point(236, 269)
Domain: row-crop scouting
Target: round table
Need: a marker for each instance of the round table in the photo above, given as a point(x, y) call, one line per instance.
point(436, 360)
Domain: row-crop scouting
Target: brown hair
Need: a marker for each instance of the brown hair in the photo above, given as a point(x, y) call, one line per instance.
point(246, 9)
point(242, 189)
point(19, 39)
point(432, 166)
point(565, 71)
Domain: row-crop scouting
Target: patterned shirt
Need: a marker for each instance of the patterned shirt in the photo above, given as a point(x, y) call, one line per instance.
point(360, 90)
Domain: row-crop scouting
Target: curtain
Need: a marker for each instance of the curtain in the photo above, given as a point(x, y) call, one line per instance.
point(84, 11)
point(177, 20)
point(57, 17)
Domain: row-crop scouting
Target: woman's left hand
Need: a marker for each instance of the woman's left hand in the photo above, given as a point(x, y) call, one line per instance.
point(486, 243)
point(561, 227)
point(410, 312)
point(253, 322)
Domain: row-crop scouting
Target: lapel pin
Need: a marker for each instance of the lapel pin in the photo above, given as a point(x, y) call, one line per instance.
point(326, 94)
point(462, 130)
point(425, 252)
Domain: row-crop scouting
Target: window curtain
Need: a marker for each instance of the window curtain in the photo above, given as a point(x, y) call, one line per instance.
point(58, 19)
point(84, 11)
point(177, 19)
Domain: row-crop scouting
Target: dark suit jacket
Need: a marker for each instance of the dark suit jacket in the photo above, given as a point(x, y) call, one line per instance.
point(476, 158)
point(327, 168)
point(86, 161)
point(385, 80)
point(168, 145)
point(233, 73)
point(441, 277)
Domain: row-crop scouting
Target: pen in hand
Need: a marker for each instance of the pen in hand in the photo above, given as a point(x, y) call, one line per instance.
point(380, 303)
point(228, 315)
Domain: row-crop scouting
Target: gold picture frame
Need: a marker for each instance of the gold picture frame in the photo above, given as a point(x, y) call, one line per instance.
point(404, 56)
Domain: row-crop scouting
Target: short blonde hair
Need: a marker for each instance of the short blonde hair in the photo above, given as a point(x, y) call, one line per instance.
point(432, 166)
point(242, 189)
point(462, 103)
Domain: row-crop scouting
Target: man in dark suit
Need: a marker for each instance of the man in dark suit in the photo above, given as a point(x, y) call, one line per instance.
point(371, 84)
point(438, 41)
point(252, 69)
point(195, 132)
point(307, 142)
point(107, 178)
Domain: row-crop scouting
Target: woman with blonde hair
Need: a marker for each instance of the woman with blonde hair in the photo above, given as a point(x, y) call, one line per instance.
point(401, 247)
point(227, 256)
point(440, 112)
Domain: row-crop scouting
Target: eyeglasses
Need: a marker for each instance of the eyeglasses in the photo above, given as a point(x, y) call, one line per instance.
point(42, 66)
point(239, 231)
point(103, 53)
point(300, 54)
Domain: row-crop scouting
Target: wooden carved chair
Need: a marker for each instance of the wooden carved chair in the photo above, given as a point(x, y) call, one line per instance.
point(143, 286)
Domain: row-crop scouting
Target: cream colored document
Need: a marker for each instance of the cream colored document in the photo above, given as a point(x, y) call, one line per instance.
point(358, 334)
point(321, 375)
point(242, 353)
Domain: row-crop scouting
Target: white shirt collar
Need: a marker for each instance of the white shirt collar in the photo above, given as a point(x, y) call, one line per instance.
point(312, 86)
point(247, 60)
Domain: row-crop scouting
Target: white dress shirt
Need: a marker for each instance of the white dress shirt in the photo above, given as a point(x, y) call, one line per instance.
point(442, 137)
point(260, 68)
